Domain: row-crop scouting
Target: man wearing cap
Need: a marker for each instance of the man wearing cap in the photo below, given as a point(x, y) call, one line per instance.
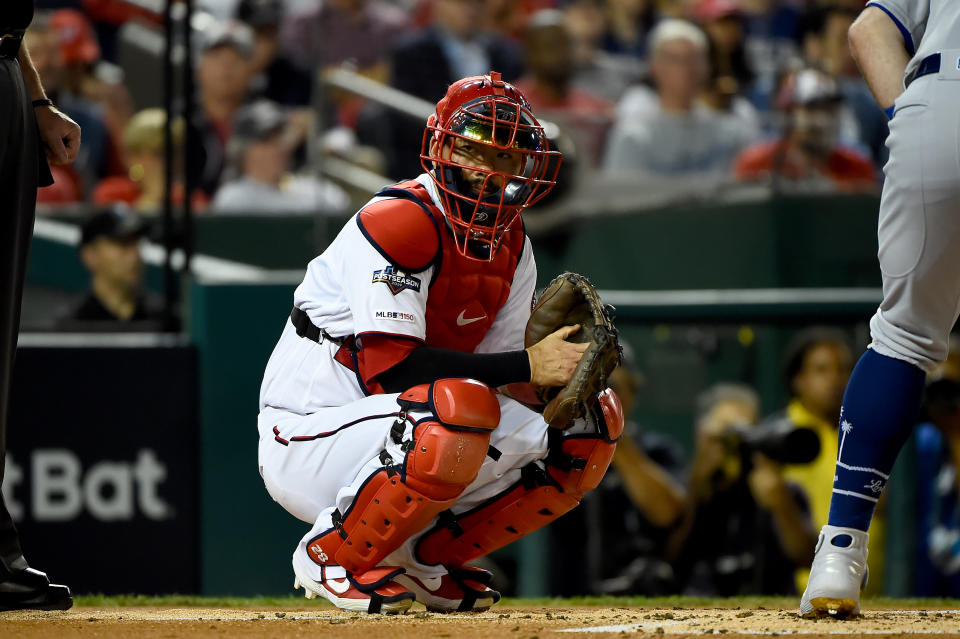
point(27, 117)
point(223, 79)
point(259, 152)
point(110, 250)
point(809, 152)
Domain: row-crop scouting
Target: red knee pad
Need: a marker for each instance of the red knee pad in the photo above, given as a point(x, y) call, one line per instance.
point(444, 456)
point(457, 402)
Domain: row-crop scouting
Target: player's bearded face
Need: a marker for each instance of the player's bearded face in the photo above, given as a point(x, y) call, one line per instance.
point(483, 167)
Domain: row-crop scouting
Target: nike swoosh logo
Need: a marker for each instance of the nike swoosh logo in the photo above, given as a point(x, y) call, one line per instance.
point(463, 321)
point(339, 586)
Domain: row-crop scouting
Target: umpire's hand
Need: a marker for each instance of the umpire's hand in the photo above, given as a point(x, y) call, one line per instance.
point(60, 134)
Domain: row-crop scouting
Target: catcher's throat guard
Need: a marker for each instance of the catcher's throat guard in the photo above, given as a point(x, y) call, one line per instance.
point(443, 457)
point(484, 112)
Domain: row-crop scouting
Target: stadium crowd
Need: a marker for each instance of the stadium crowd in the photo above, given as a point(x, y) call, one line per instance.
point(745, 90)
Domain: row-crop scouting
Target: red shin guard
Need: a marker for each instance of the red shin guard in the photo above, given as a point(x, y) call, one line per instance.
point(443, 457)
point(575, 465)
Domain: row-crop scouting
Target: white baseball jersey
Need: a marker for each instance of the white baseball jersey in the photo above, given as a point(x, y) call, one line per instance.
point(927, 26)
point(351, 289)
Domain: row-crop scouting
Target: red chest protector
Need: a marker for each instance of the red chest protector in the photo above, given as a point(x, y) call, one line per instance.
point(465, 295)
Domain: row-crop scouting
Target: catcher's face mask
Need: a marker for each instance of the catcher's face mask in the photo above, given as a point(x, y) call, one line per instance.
point(488, 156)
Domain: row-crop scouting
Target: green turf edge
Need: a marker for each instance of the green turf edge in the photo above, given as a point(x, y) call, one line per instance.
point(294, 601)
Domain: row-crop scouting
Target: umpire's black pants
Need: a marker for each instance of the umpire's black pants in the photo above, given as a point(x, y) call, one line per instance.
point(18, 195)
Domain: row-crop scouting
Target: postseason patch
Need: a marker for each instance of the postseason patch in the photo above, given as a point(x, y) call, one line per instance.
point(397, 316)
point(396, 280)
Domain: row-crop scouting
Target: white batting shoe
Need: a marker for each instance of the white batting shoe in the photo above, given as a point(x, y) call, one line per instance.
point(463, 589)
point(838, 574)
point(374, 592)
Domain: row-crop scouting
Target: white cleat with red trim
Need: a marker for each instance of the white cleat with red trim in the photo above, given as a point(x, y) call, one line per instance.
point(462, 589)
point(375, 591)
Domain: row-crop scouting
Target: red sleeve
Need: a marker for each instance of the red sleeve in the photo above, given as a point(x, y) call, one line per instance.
point(379, 352)
point(754, 161)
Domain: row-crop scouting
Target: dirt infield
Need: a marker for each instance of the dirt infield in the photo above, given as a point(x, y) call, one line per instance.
point(535, 622)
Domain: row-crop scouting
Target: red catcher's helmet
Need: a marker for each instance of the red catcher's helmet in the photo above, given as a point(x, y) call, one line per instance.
point(485, 110)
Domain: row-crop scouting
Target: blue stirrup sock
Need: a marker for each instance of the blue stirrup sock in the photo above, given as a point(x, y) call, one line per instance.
point(880, 408)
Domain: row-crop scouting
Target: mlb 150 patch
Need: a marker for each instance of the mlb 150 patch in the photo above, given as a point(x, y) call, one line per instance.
point(396, 280)
point(397, 316)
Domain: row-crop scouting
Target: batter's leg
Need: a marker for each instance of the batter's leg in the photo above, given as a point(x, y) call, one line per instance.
point(919, 231)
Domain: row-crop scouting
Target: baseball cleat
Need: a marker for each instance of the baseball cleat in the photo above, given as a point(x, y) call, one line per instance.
point(374, 592)
point(838, 574)
point(463, 589)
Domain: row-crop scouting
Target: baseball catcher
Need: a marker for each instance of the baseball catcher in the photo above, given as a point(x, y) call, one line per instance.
point(395, 412)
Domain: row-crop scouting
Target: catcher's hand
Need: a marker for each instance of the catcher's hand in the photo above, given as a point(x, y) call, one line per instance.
point(571, 308)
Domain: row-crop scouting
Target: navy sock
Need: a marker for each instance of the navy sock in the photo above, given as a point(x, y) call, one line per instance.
point(880, 408)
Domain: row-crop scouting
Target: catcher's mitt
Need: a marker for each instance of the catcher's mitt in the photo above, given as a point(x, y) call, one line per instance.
point(571, 299)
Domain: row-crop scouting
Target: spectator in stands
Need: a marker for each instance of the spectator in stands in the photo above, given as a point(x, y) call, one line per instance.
point(110, 251)
point(824, 40)
point(143, 186)
point(809, 154)
point(275, 77)
point(259, 153)
point(771, 37)
point(937, 565)
point(623, 525)
point(817, 365)
point(334, 32)
point(730, 74)
point(666, 132)
point(509, 18)
point(746, 528)
point(224, 74)
point(628, 26)
point(640, 502)
point(548, 85)
point(597, 71)
point(454, 45)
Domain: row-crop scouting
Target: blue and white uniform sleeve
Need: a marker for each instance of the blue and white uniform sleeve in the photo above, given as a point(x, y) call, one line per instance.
point(910, 16)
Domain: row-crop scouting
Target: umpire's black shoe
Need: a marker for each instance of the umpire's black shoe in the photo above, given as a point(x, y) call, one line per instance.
point(31, 590)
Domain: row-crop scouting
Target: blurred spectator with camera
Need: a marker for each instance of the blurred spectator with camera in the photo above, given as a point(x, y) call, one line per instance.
point(809, 155)
point(548, 85)
point(626, 522)
point(937, 559)
point(259, 154)
point(816, 366)
point(143, 186)
point(666, 131)
point(110, 250)
point(746, 529)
